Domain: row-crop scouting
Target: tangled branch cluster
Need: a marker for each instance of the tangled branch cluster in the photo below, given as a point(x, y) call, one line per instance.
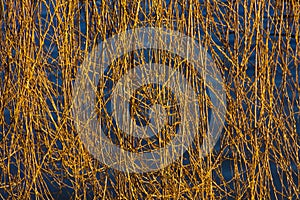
point(256, 47)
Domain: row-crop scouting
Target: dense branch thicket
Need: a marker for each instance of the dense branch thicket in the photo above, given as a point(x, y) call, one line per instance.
point(254, 44)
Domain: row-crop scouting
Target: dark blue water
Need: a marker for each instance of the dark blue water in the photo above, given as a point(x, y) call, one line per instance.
point(55, 76)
